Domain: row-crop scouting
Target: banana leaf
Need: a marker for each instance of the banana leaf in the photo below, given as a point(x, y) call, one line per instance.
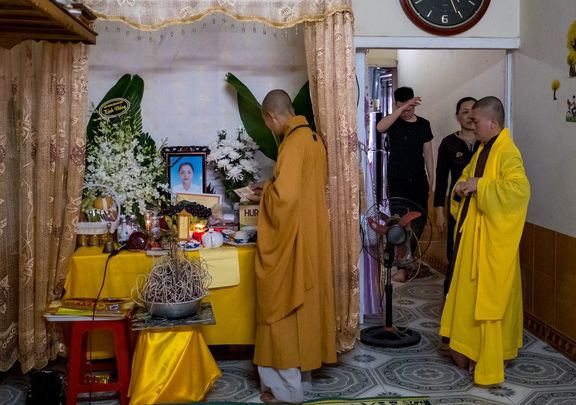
point(249, 109)
point(303, 105)
point(128, 87)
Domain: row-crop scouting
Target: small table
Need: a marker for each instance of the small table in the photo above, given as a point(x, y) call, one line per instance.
point(235, 306)
point(172, 362)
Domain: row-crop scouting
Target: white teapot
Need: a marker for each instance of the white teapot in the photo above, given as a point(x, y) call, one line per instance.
point(212, 239)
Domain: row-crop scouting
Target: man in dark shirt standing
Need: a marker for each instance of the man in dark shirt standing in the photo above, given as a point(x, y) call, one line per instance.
point(410, 162)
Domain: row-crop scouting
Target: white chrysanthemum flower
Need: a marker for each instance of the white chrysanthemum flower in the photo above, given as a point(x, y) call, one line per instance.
point(235, 173)
point(233, 160)
point(237, 145)
point(234, 155)
point(226, 150)
point(248, 165)
point(223, 163)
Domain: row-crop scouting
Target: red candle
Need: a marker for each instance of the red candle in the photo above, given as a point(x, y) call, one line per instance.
point(199, 230)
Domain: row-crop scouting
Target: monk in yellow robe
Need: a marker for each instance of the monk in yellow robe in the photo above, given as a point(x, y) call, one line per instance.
point(483, 311)
point(296, 328)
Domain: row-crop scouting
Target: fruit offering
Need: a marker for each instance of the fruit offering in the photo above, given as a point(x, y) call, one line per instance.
point(199, 213)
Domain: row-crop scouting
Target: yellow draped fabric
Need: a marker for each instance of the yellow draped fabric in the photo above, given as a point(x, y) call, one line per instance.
point(295, 300)
point(233, 305)
point(222, 265)
point(172, 366)
point(125, 268)
point(483, 310)
point(154, 14)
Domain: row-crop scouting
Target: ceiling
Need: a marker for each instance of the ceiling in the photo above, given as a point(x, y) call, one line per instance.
point(43, 20)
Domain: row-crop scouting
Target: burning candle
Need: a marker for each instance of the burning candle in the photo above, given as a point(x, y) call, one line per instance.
point(199, 230)
point(148, 220)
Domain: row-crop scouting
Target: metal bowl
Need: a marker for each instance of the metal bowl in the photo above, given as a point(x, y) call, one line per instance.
point(173, 310)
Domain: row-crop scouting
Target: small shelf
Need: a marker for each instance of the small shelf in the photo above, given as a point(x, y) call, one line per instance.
point(43, 20)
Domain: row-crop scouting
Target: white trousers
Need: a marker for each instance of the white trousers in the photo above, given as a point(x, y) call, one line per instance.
point(287, 385)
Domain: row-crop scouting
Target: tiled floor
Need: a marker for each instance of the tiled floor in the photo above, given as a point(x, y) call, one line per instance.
point(539, 375)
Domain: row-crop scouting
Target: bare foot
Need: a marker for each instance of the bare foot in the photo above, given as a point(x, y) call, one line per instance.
point(459, 359)
point(471, 367)
point(444, 350)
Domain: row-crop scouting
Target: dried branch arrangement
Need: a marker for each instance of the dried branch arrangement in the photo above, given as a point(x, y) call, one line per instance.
point(174, 278)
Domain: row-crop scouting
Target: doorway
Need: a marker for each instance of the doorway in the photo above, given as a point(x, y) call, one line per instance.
point(441, 77)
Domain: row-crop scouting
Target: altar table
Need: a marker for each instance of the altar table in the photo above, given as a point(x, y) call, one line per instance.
point(234, 306)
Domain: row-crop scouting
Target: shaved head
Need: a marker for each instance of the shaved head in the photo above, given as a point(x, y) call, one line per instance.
point(277, 111)
point(278, 102)
point(492, 107)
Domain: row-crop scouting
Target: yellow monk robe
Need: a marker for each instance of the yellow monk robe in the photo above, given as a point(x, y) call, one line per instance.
point(294, 291)
point(483, 311)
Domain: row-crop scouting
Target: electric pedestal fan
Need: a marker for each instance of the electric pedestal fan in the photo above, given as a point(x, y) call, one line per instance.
point(391, 232)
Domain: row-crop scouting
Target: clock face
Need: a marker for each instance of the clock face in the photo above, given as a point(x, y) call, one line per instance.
point(445, 17)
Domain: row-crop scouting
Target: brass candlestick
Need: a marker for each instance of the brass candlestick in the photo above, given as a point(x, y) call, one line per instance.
point(109, 244)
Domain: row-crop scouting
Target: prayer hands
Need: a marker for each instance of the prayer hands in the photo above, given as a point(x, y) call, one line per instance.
point(464, 188)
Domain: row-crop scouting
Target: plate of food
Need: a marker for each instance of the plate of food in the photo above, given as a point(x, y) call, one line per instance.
point(190, 245)
point(234, 243)
point(241, 238)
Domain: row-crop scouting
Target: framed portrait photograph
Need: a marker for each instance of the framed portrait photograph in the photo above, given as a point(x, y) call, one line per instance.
point(186, 168)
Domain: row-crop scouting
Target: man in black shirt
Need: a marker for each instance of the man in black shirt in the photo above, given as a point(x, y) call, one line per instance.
point(410, 162)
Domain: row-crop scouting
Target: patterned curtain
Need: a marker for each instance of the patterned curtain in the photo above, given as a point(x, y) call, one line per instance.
point(149, 15)
point(331, 71)
point(43, 110)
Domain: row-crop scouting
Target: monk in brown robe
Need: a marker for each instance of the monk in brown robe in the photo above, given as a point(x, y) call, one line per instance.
point(296, 329)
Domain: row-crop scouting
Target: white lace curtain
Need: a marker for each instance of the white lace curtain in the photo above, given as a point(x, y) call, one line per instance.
point(151, 15)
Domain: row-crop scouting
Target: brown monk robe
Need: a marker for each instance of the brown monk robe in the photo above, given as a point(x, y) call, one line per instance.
point(295, 296)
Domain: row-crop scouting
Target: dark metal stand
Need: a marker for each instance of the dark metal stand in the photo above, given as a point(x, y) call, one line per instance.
point(387, 335)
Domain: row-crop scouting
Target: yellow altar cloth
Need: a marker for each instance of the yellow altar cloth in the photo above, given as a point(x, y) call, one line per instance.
point(234, 305)
point(166, 368)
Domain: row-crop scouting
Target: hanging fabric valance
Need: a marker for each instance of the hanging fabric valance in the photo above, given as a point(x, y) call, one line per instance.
point(150, 15)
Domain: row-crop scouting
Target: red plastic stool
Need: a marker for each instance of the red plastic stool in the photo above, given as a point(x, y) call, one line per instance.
point(79, 366)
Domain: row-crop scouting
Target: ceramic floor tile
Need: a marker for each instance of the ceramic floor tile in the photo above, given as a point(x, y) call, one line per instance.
point(540, 375)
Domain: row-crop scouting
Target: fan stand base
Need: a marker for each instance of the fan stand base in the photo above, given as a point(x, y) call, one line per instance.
point(389, 336)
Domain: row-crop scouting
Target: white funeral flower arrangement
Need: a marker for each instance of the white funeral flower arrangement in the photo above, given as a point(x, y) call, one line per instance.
point(233, 161)
point(125, 160)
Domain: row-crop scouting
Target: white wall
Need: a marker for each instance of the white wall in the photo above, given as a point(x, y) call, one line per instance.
point(547, 141)
point(386, 18)
point(382, 57)
point(186, 100)
point(442, 77)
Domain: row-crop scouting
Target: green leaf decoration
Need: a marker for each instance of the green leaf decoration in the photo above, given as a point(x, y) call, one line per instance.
point(303, 105)
point(129, 87)
point(251, 116)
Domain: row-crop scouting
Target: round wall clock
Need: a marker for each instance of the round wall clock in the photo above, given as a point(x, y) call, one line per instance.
point(445, 17)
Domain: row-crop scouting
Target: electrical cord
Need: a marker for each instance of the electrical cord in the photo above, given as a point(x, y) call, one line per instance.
point(90, 370)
